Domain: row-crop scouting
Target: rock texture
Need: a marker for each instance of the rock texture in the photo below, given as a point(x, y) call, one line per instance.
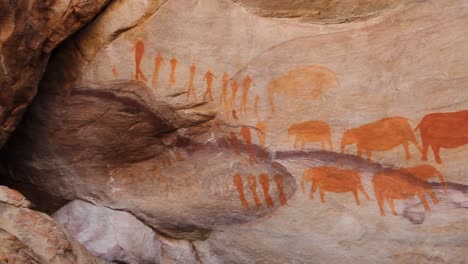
point(252, 139)
point(117, 236)
point(30, 31)
point(110, 235)
point(322, 11)
point(27, 236)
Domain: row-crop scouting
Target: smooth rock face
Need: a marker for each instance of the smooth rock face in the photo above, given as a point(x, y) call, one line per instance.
point(211, 123)
point(30, 31)
point(110, 235)
point(27, 236)
point(117, 236)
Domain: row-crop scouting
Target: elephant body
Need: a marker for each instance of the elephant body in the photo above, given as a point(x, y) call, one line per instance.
point(398, 184)
point(311, 131)
point(381, 135)
point(443, 130)
point(309, 82)
point(425, 172)
point(331, 179)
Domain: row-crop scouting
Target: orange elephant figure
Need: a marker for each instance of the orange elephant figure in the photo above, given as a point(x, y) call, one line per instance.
point(381, 135)
point(425, 172)
point(311, 131)
point(333, 179)
point(443, 130)
point(398, 184)
point(309, 82)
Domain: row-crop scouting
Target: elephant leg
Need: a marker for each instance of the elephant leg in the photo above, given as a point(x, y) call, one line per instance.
point(295, 142)
point(356, 196)
point(369, 155)
point(424, 201)
point(436, 150)
point(363, 191)
point(424, 151)
point(322, 195)
point(433, 197)
point(407, 152)
point(323, 144)
point(392, 206)
point(302, 144)
point(330, 143)
point(380, 202)
point(312, 190)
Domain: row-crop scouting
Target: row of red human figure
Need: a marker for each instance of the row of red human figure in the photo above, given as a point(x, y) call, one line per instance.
point(264, 180)
point(389, 184)
point(437, 130)
point(225, 100)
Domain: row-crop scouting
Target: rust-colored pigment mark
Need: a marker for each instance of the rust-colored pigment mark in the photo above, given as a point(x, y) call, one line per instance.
point(443, 130)
point(245, 132)
point(223, 98)
point(265, 183)
point(309, 82)
point(240, 188)
point(235, 143)
point(191, 88)
point(115, 72)
point(280, 186)
point(331, 179)
point(393, 184)
point(245, 93)
point(234, 114)
point(172, 76)
point(261, 133)
point(425, 172)
point(226, 111)
point(311, 131)
point(234, 88)
point(257, 101)
point(139, 52)
point(253, 188)
point(158, 60)
point(209, 82)
point(381, 135)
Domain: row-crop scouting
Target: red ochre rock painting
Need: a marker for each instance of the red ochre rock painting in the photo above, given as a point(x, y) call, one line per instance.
point(309, 82)
point(311, 131)
point(443, 130)
point(398, 184)
point(264, 181)
point(331, 179)
point(139, 52)
point(381, 135)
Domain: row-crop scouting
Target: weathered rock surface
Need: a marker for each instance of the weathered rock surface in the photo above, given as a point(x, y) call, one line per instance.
point(205, 120)
point(108, 234)
point(12, 250)
point(117, 236)
point(322, 11)
point(30, 31)
point(27, 236)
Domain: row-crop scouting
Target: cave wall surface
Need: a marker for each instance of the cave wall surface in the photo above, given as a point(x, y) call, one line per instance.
point(264, 131)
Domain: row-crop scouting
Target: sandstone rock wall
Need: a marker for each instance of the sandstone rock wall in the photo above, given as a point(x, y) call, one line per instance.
point(264, 137)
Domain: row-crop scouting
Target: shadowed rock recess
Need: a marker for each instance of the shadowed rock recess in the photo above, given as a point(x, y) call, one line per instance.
point(234, 131)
